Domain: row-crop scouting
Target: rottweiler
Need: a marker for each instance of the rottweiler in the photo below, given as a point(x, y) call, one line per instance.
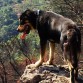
point(53, 28)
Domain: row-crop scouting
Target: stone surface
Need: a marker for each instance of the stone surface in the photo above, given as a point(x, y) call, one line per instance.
point(46, 74)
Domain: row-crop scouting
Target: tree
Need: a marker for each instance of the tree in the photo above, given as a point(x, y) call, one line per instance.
point(69, 8)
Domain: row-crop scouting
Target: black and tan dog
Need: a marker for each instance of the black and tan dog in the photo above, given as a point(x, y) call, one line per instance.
point(54, 28)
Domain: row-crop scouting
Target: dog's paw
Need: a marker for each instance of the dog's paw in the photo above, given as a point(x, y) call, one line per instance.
point(31, 66)
point(37, 64)
point(48, 63)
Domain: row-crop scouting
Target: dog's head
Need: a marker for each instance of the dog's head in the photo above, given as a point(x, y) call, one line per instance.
point(26, 21)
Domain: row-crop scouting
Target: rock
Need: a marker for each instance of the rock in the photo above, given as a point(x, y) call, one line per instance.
point(45, 74)
point(31, 78)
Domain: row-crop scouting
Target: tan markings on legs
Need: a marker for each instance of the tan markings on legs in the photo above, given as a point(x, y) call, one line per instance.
point(71, 69)
point(43, 50)
point(69, 64)
point(40, 61)
point(52, 48)
point(65, 51)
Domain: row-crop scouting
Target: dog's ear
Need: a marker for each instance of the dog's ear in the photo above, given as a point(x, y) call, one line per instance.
point(28, 11)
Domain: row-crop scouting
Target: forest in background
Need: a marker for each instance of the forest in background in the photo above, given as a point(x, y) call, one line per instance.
point(14, 54)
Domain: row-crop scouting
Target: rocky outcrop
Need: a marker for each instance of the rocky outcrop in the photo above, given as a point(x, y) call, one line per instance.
point(46, 74)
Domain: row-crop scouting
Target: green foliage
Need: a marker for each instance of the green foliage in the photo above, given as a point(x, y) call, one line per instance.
point(8, 14)
point(69, 8)
point(9, 20)
point(33, 43)
point(9, 23)
point(31, 46)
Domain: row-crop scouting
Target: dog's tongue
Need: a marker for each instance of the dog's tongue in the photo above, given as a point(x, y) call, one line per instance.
point(23, 36)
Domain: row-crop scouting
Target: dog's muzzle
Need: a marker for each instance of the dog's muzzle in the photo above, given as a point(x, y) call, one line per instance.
point(24, 28)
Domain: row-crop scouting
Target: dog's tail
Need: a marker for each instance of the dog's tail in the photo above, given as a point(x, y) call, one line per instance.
point(78, 31)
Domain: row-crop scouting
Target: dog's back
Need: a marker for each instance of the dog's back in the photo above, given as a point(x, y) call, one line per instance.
point(52, 25)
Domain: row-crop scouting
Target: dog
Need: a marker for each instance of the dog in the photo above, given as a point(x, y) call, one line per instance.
point(54, 28)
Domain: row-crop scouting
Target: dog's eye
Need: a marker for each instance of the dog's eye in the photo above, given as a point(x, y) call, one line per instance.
point(21, 22)
point(26, 21)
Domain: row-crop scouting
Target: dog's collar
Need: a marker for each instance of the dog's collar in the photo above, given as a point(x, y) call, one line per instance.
point(38, 12)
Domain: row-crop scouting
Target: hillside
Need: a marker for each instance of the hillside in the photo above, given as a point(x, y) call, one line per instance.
point(8, 15)
point(8, 19)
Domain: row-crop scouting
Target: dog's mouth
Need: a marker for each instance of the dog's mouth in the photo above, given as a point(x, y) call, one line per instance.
point(23, 35)
point(25, 29)
point(25, 32)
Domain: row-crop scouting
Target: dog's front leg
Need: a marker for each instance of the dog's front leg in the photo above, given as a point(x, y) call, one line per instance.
point(43, 49)
point(52, 48)
point(40, 61)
